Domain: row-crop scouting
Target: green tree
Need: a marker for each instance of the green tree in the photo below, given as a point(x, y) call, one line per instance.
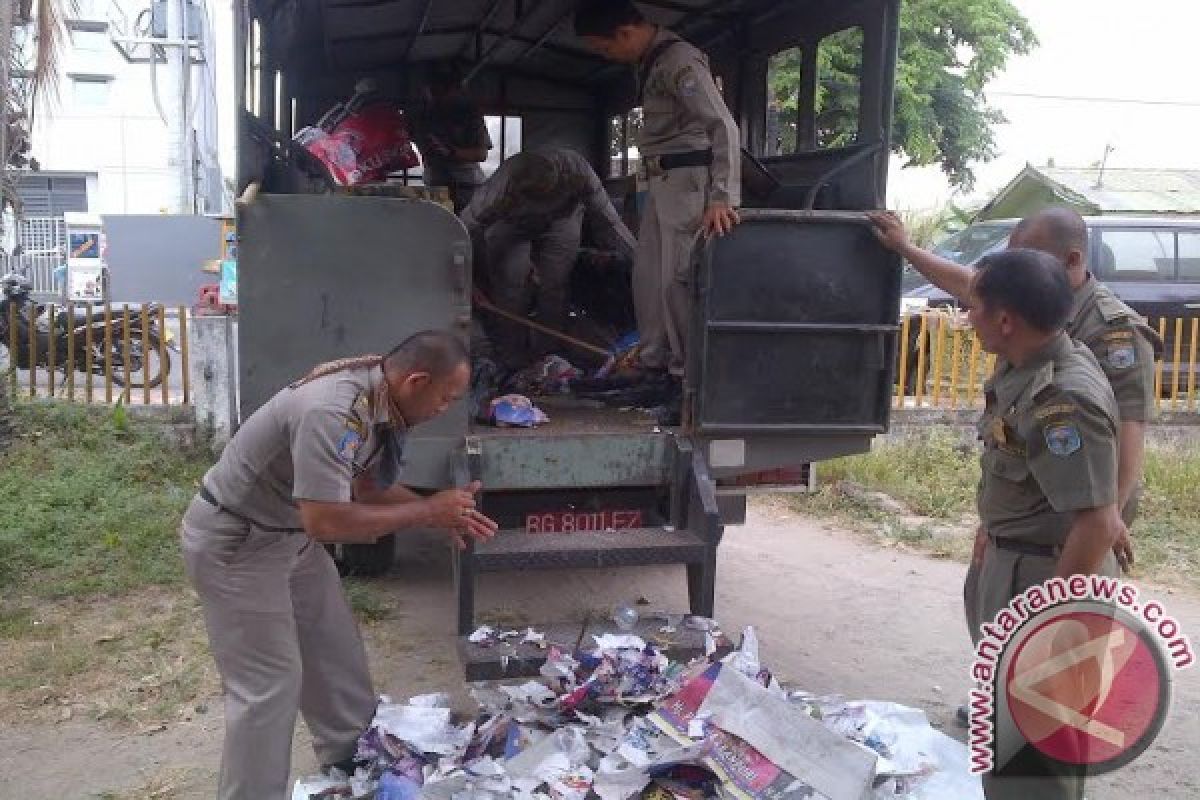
point(948, 52)
point(31, 40)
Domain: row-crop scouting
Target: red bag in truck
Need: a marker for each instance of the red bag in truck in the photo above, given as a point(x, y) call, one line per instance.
point(360, 143)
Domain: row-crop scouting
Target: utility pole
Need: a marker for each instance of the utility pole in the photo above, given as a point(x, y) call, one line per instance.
point(1108, 148)
point(7, 13)
point(7, 10)
point(179, 109)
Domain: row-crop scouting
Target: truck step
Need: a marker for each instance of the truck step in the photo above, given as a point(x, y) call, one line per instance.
point(516, 550)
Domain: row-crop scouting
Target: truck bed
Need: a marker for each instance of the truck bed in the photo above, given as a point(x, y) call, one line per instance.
point(581, 447)
point(570, 417)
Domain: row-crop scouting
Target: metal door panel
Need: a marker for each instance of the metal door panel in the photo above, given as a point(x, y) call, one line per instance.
point(326, 276)
point(795, 332)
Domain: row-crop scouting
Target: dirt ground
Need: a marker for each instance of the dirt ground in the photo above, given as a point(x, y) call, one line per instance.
point(835, 613)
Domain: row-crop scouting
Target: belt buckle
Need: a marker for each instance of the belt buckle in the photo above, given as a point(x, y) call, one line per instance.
point(654, 167)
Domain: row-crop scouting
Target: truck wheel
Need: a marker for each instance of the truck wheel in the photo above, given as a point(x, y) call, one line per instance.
point(365, 560)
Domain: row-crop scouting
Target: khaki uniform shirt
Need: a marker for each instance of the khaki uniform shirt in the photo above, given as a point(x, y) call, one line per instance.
point(577, 185)
point(1122, 342)
point(683, 111)
point(455, 122)
point(308, 443)
point(1050, 444)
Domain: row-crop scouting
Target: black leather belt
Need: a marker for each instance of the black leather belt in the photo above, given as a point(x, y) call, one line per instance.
point(1026, 548)
point(657, 165)
point(207, 497)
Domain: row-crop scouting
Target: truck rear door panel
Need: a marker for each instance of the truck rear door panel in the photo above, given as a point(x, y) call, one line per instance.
point(795, 339)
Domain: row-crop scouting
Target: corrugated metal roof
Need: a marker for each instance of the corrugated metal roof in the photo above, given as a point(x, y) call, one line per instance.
point(1161, 191)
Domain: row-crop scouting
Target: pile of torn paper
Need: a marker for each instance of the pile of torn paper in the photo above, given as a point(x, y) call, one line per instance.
point(622, 721)
point(487, 636)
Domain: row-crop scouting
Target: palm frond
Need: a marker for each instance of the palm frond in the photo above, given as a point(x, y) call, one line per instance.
point(50, 44)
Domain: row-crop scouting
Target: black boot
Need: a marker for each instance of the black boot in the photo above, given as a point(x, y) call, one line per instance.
point(670, 413)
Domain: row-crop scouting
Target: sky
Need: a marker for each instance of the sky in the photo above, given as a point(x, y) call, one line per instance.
point(1107, 73)
point(1146, 52)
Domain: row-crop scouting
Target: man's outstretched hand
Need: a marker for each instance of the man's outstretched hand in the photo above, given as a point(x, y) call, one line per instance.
point(454, 512)
point(889, 230)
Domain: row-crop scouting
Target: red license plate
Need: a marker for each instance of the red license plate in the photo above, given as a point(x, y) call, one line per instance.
point(582, 521)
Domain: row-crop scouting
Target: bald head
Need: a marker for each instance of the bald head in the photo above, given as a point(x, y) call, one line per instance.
point(438, 353)
point(1059, 231)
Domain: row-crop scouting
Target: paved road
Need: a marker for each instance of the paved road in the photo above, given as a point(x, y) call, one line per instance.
point(835, 614)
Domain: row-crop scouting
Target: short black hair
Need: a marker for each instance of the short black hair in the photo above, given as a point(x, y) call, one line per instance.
point(437, 352)
point(603, 17)
point(1028, 283)
point(1063, 228)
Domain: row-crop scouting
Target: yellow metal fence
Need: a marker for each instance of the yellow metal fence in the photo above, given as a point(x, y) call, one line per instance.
point(939, 363)
point(98, 353)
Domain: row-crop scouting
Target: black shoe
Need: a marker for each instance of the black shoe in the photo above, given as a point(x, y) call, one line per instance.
point(348, 767)
point(609, 384)
point(650, 392)
point(963, 717)
point(670, 413)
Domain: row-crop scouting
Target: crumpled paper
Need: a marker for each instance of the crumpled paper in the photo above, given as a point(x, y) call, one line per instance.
point(620, 719)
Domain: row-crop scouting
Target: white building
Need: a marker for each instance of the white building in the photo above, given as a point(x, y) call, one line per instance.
point(103, 143)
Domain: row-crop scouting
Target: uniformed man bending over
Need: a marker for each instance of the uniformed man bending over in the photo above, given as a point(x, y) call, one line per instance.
point(528, 219)
point(319, 463)
point(1047, 496)
point(690, 148)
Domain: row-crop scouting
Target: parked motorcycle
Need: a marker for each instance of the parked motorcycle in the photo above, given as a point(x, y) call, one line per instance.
point(142, 363)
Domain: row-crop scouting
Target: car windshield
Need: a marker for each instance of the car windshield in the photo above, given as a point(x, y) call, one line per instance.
point(973, 243)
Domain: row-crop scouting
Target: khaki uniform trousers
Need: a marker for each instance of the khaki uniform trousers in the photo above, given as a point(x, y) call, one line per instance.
point(284, 639)
point(971, 582)
point(663, 265)
point(549, 255)
point(988, 589)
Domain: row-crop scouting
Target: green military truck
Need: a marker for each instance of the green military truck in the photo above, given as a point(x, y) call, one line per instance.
point(795, 314)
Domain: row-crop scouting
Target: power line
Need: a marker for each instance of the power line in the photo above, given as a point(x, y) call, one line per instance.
point(1082, 99)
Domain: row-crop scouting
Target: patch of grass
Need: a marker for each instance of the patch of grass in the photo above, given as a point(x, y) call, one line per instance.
point(15, 622)
point(1167, 532)
point(91, 501)
point(933, 473)
point(141, 670)
point(163, 784)
point(367, 602)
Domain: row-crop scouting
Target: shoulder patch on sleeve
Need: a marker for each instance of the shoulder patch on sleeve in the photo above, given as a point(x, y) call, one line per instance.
point(686, 81)
point(1120, 354)
point(1062, 438)
point(348, 445)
